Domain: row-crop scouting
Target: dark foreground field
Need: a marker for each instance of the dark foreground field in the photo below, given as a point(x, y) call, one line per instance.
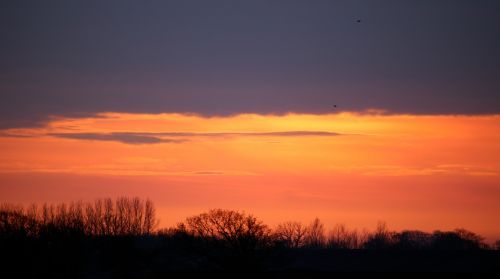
point(155, 257)
point(395, 261)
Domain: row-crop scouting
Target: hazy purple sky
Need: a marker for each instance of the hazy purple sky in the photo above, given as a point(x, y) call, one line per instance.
point(224, 57)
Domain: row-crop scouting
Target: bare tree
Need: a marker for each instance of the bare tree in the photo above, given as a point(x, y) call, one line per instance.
point(137, 214)
point(98, 210)
point(341, 238)
point(48, 217)
point(293, 234)
point(315, 237)
point(125, 216)
point(109, 218)
point(12, 220)
point(91, 220)
point(76, 217)
point(382, 238)
point(150, 221)
point(234, 228)
point(32, 214)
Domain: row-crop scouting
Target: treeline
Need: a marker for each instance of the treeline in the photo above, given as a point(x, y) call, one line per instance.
point(120, 238)
point(103, 217)
point(240, 230)
point(237, 230)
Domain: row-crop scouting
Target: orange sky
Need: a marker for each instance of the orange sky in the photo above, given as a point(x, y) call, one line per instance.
point(415, 172)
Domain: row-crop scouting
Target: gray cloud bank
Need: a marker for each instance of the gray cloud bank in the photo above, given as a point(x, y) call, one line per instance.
point(222, 57)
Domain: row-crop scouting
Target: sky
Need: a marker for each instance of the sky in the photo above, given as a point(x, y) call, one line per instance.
point(352, 111)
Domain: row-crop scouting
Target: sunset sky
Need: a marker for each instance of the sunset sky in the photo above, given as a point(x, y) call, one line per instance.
point(288, 110)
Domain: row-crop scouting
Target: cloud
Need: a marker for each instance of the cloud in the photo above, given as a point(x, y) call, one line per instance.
point(294, 133)
point(209, 172)
point(256, 134)
point(152, 138)
point(405, 170)
point(14, 135)
point(222, 172)
point(282, 70)
point(127, 138)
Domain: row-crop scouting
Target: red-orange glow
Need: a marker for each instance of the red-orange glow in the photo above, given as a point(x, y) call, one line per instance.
point(422, 172)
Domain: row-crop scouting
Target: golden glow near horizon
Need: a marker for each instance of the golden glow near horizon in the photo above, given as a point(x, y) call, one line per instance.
point(414, 171)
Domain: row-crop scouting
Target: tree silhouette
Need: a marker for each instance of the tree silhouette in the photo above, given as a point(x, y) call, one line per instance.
point(315, 237)
point(341, 238)
point(412, 240)
point(381, 239)
point(118, 236)
point(230, 239)
point(124, 216)
point(460, 239)
point(292, 234)
point(236, 229)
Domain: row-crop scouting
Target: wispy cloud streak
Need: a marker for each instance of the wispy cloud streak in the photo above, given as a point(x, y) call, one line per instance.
point(176, 137)
point(127, 138)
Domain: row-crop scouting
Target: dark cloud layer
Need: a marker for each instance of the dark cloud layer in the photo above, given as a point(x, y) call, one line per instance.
point(152, 138)
point(225, 57)
point(128, 138)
